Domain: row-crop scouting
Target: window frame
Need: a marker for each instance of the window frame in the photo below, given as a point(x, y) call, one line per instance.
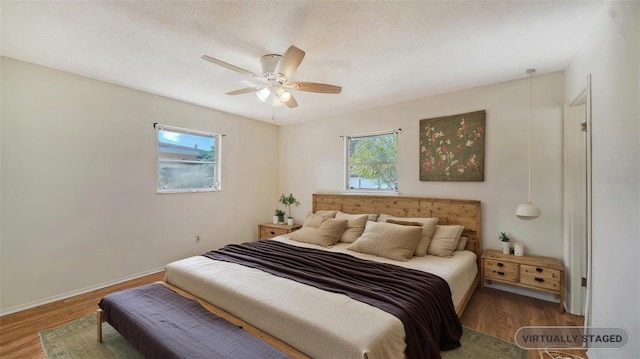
point(217, 165)
point(347, 163)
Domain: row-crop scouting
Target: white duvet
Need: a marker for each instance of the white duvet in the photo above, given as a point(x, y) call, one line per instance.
point(318, 323)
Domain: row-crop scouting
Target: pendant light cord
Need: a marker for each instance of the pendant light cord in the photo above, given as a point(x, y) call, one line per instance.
point(530, 71)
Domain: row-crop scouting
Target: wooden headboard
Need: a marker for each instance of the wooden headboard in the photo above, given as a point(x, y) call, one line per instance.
point(449, 211)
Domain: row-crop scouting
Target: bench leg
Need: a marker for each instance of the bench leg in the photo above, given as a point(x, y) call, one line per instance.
point(99, 320)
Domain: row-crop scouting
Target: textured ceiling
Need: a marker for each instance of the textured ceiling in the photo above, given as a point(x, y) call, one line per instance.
point(379, 52)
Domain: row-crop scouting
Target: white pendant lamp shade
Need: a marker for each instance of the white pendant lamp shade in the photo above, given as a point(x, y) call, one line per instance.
point(529, 210)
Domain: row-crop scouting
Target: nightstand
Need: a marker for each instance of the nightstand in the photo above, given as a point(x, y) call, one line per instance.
point(270, 230)
point(533, 272)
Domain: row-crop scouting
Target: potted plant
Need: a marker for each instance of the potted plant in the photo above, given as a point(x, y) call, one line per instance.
point(278, 216)
point(504, 238)
point(288, 201)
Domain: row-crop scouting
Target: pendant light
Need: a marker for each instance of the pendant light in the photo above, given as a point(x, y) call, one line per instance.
point(529, 210)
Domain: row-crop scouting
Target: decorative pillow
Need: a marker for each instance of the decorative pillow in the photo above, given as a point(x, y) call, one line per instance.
point(326, 233)
point(326, 213)
point(404, 223)
point(445, 240)
point(372, 217)
point(355, 226)
point(428, 228)
point(314, 220)
point(388, 240)
point(462, 244)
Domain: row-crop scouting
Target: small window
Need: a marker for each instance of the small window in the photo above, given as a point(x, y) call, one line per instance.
point(371, 162)
point(188, 160)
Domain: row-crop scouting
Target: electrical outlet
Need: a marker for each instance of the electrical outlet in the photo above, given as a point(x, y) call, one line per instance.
point(197, 238)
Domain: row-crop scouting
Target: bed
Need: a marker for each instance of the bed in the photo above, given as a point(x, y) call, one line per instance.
point(322, 323)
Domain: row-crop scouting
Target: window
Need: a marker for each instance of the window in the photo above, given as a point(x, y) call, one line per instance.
point(371, 162)
point(188, 160)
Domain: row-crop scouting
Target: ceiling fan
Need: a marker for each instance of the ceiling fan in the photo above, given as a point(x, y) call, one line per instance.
point(276, 71)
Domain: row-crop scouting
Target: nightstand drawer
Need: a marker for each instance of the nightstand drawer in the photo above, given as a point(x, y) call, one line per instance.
point(271, 232)
point(540, 272)
point(540, 282)
point(500, 270)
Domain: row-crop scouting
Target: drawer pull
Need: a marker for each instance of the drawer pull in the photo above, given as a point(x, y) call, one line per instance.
point(500, 264)
point(539, 280)
point(500, 273)
point(539, 270)
point(272, 232)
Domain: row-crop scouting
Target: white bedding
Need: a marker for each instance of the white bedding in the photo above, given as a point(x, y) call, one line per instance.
point(319, 323)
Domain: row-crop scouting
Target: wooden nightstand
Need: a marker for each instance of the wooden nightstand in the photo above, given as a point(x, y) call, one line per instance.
point(270, 230)
point(533, 272)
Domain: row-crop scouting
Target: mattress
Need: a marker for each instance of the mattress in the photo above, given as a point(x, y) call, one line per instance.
point(319, 323)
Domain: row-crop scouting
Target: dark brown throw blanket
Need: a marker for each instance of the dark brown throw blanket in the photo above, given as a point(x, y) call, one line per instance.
point(422, 301)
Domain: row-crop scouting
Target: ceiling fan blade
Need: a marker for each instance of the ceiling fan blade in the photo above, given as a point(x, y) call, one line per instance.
point(290, 61)
point(291, 102)
point(228, 66)
point(314, 87)
point(244, 90)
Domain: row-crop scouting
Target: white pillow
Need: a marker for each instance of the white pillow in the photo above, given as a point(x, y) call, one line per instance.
point(445, 240)
point(428, 228)
point(388, 240)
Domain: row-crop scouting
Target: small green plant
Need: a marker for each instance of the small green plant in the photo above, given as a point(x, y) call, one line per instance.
point(289, 201)
point(280, 214)
point(504, 237)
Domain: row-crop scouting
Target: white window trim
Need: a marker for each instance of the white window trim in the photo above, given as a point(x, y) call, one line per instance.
point(346, 163)
point(217, 186)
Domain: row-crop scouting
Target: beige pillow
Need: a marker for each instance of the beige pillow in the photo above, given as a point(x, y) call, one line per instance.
point(326, 213)
point(388, 240)
point(462, 244)
point(326, 233)
point(445, 240)
point(314, 220)
point(355, 226)
point(372, 217)
point(428, 228)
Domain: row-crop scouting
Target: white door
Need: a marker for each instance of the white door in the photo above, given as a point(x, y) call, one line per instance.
point(575, 206)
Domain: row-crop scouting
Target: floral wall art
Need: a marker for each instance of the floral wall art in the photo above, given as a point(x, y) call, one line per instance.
point(452, 148)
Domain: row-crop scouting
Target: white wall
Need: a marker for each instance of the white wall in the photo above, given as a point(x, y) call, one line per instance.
point(79, 207)
point(612, 57)
point(312, 156)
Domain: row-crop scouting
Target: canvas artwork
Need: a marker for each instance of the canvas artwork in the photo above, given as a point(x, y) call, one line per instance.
point(452, 147)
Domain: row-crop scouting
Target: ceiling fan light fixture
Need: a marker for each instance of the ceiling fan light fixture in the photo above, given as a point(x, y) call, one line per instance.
point(285, 96)
point(276, 101)
point(263, 94)
point(276, 71)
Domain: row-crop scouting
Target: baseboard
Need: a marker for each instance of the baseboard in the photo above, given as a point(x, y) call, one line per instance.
point(66, 295)
point(523, 291)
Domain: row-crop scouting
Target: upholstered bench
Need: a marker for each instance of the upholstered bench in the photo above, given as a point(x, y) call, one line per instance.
point(161, 323)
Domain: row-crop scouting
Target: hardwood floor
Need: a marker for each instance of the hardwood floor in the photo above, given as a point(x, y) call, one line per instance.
point(19, 331)
point(490, 311)
point(500, 314)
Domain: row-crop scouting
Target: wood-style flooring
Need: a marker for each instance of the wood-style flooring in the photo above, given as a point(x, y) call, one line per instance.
point(490, 311)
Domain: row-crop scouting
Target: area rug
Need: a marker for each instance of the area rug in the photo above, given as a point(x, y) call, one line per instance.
point(77, 339)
